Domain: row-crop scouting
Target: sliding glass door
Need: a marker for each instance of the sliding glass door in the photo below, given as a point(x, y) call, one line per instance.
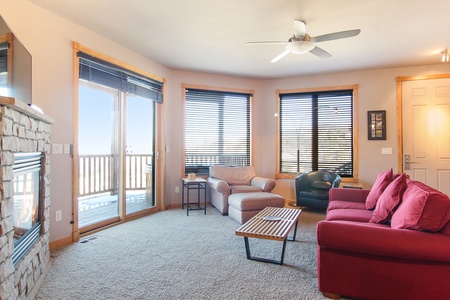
point(139, 160)
point(115, 146)
point(98, 148)
point(118, 106)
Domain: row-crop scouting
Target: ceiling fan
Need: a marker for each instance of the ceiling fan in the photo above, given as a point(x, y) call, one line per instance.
point(301, 42)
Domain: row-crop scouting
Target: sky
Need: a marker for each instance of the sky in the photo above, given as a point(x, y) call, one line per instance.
point(97, 117)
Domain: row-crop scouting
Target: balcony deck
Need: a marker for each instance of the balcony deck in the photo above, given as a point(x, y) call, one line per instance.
point(96, 208)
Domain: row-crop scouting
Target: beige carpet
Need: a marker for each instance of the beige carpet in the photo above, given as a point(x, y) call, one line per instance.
point(169, 255)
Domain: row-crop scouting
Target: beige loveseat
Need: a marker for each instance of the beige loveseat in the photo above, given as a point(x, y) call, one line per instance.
point(223, 181)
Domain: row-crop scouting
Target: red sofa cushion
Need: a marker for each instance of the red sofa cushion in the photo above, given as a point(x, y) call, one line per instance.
point(381, 183)
point(339, 204)
point(349, 214)
point(446, 229)
point(422, 208)
point(349, 195)
point(389, 200)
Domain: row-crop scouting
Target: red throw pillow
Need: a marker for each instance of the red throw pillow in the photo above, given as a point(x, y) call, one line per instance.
point(378, 188)
point(422, 208)
point(389, 200)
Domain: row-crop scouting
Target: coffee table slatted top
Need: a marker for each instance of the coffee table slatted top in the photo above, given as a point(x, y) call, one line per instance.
point(257, 227)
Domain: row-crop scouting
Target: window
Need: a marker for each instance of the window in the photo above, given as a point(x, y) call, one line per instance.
point(316, 131)
point(217, 129)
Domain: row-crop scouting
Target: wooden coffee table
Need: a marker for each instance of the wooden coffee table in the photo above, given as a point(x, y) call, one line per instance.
point(272, 223)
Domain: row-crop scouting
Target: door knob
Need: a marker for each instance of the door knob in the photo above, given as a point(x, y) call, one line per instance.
point(406, 162)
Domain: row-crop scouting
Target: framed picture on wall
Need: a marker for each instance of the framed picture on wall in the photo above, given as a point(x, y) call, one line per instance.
point(376, 120)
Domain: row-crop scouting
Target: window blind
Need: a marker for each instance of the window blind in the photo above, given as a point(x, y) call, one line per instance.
point(3, 67)
point(3, 57)
point(217, 129)
point(316, 132)
point(104, 73)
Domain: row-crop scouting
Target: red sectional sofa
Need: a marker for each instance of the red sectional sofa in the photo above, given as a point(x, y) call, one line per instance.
point(404, 254)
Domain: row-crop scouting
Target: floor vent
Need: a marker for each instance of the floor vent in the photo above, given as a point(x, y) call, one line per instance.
point(89, 239)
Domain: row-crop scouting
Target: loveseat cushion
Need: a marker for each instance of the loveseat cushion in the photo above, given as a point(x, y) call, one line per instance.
point(349, 195)
point(235, 189)
point(381, 183)
point(338, 204)
point(389, 200)
point(233, 175)
point(422, 208)
point(355, 215)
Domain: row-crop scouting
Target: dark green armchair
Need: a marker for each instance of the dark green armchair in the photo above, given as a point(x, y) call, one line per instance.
point(312, 188)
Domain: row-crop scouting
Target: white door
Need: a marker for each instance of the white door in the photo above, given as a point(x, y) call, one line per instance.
point(426, 131)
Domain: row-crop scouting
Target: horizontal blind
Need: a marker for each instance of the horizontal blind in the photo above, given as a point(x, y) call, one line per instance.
point(217, 129)
point(316, 132)
point(104, 73)
point(3, 57)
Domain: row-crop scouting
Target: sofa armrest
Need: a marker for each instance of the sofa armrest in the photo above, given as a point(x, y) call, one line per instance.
point(350, 195)
point(219, 185)
point(381, 240)
point(266, 184)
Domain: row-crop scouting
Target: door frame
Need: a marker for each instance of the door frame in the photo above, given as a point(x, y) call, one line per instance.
point(399, 92)
point(160, 142)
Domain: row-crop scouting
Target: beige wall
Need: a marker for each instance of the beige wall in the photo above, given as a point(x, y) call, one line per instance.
point(48, 38)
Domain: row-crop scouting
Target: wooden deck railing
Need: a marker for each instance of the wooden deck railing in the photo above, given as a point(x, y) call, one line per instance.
point(98, 173)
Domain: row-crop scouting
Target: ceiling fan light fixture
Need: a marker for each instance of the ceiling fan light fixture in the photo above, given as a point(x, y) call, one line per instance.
point(301, 42)
point(300, 47)
point(445, 56)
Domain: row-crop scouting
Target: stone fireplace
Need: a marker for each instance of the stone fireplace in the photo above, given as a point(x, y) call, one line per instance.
point(23, 131)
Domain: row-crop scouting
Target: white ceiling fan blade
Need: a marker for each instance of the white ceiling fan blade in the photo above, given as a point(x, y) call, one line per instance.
point(280, 56)
point(320, 52)
point(299, 29)
point(267, 43)
point(335, 35)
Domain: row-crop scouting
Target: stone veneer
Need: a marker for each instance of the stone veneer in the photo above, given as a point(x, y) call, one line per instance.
point(22, 129)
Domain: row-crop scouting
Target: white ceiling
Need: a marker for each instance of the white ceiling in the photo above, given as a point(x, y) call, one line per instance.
point(209, 35)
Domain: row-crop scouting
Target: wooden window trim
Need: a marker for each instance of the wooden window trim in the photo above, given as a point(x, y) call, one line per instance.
point(280, 175)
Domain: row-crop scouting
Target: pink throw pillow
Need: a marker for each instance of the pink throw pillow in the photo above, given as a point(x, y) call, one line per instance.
point(389, 200)
point(381, 183)
point(422, 208)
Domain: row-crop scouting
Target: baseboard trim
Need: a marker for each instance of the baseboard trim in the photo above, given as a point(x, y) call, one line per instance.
point(59, 243)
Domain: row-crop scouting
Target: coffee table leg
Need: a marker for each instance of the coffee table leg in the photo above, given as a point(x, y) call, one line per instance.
point(282, 251)
point(295, 232)
point(247, 248)
point(250, 257)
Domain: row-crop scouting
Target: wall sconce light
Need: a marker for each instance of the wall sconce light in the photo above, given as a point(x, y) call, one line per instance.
point(445, 57)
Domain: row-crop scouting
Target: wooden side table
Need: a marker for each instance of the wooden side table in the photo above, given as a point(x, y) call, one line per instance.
point(198, 184)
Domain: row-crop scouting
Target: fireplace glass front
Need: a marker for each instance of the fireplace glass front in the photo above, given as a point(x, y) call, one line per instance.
point(26, 214)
